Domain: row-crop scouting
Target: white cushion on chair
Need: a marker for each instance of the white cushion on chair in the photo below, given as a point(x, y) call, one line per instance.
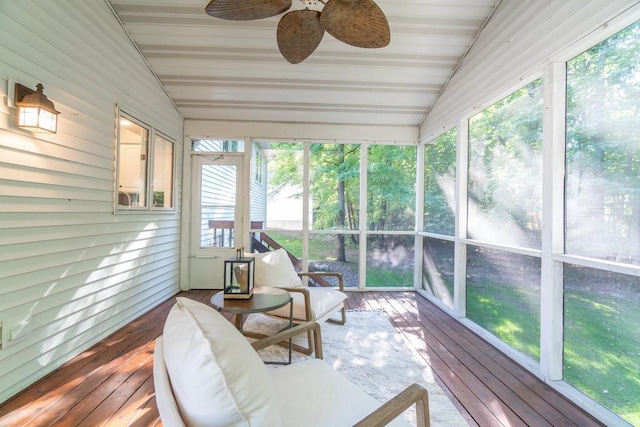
point(216, 376)
point(275, 269)
point(313, 394)
point(323, 302)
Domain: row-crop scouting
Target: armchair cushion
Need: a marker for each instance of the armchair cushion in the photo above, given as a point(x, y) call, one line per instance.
point(275, 269)
point(216, 377)
point(322, 301)
point(336, 401)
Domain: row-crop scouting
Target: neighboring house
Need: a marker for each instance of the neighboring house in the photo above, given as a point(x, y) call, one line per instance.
point(76, 265)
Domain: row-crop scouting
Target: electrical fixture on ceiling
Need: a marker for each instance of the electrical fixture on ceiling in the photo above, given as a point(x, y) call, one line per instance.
point(359, 23)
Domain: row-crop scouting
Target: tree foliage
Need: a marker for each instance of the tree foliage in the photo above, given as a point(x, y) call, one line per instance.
point(335, 185)
point(439, 184)
point(285, 167)
point(391, 195)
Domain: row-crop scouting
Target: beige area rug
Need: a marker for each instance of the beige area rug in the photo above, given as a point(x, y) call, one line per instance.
point(374, 356)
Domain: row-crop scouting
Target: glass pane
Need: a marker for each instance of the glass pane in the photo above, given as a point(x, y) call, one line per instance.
point(602, 338)
point(284, 185)
point(603, 150)
point(391, 186)
point(162, 185)
point(503, 296)
point(440, 184)
point(390, 261)
point(217, 206)
point(335, 186)
point(505, 170)
point(336, 253)
point(218, 145)
point(437, 269)
point(132, 164)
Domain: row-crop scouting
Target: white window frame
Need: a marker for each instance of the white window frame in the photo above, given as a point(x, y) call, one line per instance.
point(148, 205)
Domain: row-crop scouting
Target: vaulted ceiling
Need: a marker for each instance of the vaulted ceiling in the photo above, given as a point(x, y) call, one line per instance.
point(215, 69)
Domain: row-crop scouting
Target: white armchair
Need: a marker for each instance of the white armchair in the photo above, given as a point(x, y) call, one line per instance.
point(207, 374)
point(274, 269)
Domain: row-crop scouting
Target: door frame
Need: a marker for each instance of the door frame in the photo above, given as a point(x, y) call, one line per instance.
point(188, 198)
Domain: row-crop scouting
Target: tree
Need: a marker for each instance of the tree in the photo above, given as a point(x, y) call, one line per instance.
point(391, 185)
point(334, 187)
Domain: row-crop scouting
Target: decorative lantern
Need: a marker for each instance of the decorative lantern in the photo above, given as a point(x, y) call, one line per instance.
point(239, 275)
point(35, 110)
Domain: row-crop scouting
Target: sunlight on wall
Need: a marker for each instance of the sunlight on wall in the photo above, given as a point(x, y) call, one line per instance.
point(95, 302)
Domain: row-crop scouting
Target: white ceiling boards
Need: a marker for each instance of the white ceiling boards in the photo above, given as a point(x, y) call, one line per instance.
point(216, 69)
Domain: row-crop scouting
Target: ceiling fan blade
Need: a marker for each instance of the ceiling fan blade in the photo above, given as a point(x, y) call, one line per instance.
point(359, 23)
point(246, 10)
point(299, 34)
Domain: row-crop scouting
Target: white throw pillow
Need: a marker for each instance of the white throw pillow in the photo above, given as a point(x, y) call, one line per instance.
point(216, 376)
point(275, 269)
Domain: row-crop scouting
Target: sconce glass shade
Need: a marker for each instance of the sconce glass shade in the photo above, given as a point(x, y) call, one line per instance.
point(35, 111)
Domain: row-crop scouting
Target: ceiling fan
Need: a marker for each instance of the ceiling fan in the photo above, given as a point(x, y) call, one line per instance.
point(359, 23)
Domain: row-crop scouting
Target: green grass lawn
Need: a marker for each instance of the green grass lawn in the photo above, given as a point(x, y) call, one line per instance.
point(602, 350)
point(291, 242)
point(321, 247)
point(601, 339)
point(509, 312)
point(378, 277)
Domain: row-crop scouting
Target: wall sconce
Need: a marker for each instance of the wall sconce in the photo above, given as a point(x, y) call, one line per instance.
point(35, 111)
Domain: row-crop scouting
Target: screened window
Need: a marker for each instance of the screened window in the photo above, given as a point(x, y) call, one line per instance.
point(335, 186)
point(390, 260)
point(438, 269)
point(391, 214)
point(602, 337)
point(504, 198)
point(603, 150)
point(503, 296)
point(284, 185)
point(505, 170)
point(602, 223)
point(391, 185)
point(439, 184)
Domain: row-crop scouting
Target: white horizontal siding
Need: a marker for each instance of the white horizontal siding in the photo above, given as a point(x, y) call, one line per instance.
point(512, 50)
point(79, 270)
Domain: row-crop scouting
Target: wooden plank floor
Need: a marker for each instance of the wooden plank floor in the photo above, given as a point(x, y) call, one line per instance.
point(111, 384)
